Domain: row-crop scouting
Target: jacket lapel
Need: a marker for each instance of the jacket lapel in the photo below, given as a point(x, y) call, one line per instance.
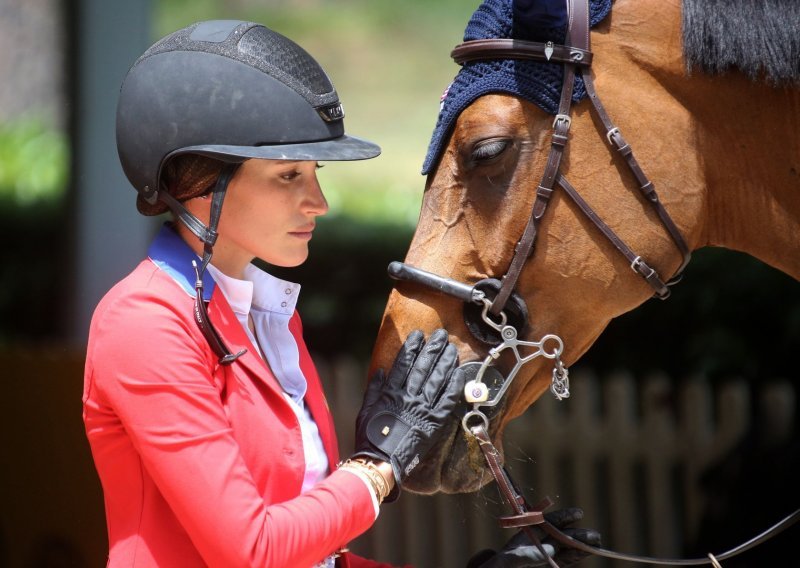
point(235, 338)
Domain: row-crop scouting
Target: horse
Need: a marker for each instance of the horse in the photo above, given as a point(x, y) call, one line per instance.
point(719, 139)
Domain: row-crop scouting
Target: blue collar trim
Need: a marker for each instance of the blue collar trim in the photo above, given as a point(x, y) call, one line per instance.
point(172, 255)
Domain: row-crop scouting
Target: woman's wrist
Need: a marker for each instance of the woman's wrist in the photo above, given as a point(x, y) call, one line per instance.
point(379, 474)
point(385, 469)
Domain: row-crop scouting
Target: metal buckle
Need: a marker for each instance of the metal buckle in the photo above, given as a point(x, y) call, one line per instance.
point(637, 262)
point(611, 133)
point(563, 117)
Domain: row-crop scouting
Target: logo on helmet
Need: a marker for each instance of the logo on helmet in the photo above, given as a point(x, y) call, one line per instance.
point(331, 113)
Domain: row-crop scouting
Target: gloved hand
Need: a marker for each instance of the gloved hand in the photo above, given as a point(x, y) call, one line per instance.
point(520, 552)
point(403, 412)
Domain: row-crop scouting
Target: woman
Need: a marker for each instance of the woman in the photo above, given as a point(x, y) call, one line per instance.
point(205, 415)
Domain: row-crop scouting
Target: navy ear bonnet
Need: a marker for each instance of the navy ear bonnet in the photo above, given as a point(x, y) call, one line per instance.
point(537, 82)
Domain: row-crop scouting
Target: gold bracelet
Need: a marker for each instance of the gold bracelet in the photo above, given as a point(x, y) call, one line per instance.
point(364, 472)
point(371, 472)
point(376, 473)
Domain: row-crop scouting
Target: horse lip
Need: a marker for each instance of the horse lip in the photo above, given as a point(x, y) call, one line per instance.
point(427, 479)
point(453, 465)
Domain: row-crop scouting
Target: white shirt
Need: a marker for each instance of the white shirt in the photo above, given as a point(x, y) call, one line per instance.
point(271, 303)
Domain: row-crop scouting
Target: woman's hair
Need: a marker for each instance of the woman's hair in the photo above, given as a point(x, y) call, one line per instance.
point(185, 176)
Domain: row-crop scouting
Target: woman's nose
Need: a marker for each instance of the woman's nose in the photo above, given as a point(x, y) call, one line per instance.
point(316, 204)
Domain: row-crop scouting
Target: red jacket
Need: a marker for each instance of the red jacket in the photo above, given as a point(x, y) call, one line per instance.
point(202, 464)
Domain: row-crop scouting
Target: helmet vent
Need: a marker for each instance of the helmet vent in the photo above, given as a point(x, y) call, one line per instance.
point(266, 50)
point(287, 61)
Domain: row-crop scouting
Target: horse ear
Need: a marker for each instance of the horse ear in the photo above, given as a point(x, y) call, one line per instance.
point(533, 17)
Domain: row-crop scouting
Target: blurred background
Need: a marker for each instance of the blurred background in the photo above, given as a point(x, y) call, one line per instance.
point(70, 230)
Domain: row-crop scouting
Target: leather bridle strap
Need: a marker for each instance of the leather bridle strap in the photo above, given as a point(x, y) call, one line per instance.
point(645, 185)
point(712, 559)
point(636, 262)
point(524, 516)
point(475, 50)
point(578, 36)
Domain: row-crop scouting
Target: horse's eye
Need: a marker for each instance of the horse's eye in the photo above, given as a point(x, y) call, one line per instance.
point(486, 150)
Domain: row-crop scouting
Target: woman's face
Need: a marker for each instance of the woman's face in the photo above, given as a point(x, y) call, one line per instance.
point(269, 213)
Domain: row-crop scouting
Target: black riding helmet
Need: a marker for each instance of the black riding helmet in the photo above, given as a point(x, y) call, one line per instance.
point(232, 91)
point(229, 90)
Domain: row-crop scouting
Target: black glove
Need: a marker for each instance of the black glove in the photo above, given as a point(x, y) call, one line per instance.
point(403, 412)
point(520, 552)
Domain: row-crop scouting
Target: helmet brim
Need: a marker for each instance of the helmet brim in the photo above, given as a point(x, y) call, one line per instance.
point(342, 148)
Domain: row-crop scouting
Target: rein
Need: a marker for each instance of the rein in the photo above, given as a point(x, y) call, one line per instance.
point(525, 516)
point(485, 385)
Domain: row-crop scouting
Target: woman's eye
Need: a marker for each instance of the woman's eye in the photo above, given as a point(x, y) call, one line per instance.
point(290, 175)
point(294, 174)
point(489, 149)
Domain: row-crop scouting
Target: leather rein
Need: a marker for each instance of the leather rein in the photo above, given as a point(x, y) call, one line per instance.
point(487, 387)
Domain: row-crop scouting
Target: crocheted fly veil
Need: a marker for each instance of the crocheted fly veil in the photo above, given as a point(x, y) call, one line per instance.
point(539, 83)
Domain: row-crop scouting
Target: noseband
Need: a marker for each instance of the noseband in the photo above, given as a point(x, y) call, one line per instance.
point(485, 385)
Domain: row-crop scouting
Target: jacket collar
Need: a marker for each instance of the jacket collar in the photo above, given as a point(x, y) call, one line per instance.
point(172, 255)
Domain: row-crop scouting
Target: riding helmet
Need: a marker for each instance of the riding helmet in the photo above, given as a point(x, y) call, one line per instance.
point(228, 90)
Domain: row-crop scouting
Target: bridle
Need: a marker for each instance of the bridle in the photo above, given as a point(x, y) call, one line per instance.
point(498, 305)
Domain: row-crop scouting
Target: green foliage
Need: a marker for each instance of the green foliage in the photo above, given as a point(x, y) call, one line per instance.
point(34, 162)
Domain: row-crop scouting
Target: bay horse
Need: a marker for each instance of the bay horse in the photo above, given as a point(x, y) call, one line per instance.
point(717, 135)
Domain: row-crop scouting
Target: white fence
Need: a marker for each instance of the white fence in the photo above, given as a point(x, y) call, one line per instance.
point(630, 452)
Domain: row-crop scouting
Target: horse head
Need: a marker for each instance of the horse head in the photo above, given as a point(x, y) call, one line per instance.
point(484, 171)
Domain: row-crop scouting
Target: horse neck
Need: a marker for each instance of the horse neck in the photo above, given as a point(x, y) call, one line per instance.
point(737, 140)
point(751, 170)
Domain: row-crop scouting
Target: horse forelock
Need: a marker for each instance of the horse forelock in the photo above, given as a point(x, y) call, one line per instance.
point(760, 38)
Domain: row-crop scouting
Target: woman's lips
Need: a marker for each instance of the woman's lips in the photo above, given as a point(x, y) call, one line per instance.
point(305, 233)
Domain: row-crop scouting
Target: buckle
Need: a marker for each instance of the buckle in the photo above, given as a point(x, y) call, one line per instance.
point(564, 118)
point(638, 265)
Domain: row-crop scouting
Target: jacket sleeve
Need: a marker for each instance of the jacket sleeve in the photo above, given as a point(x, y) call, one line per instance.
point(355, 561)
point(149, 363)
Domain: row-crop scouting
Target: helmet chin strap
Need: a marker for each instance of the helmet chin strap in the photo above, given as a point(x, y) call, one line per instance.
point(208, 236)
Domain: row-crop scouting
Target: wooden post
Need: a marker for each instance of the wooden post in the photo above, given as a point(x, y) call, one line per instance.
point(109, 235)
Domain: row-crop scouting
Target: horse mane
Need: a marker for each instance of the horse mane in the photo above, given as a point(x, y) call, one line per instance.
point(761, 38)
